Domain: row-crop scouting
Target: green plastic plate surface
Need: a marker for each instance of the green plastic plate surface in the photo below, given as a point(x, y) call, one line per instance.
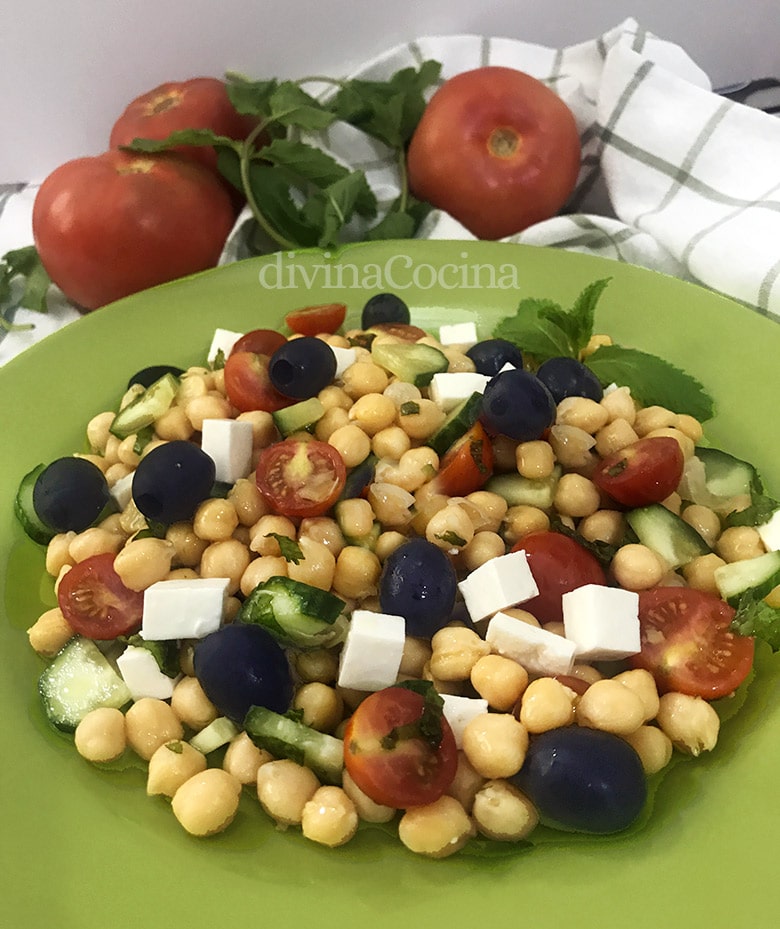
point(82, 848)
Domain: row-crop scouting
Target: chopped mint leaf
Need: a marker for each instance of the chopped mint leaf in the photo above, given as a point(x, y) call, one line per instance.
point(652, 380)
point(452, 538)
point(197, 137)
point(759, 512)
point(289, 548)
point(756, 617)
point(176, 747)
point(428, 727)
point(23, 264)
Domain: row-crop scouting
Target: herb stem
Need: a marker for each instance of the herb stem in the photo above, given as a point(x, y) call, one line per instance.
point(403, 181)
point(245, 158)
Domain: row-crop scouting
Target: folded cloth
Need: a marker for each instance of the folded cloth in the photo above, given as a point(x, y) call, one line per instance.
point(675, 177)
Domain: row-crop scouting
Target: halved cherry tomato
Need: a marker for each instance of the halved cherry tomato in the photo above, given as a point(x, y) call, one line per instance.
point(299, 478)
point(387, 756)
point(259, 341)
point(467, 465)
point(312, 320)
point(96, 603)
point(688, 645)
point(248, 385)
point(558, 564)
point(645, 472)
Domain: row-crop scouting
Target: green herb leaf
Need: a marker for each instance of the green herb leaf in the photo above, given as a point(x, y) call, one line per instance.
point(252, 98)
point(452, 538)
point(331, 208)
point(535, 331)
point(428, 727)
point(176, 746)
point(387, 110)
point(289, 548)
point(604, 552)
point(759, 512)
point(269, 187)
point(756, 617)
point(578, 322)
point(409, 408)
point(304, 162)
point(652, 380)
point(24, 263)
point(290, 105)
point(196, 137)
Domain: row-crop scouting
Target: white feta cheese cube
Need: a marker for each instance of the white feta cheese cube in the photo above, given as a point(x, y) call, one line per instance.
point(459, 711)
point(498, 583)
point(122, 491)
point(770, 532)
point(602, 622)
point(223, 341)
point(142, 674)
point(536, 649)
point(228, 442)
point(372, 651)
point(345, 357)
point(448, 389)
point(458, 333)
point(507, 366)
point(184, 609)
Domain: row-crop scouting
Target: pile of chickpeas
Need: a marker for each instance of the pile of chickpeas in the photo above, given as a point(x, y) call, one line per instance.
point(367, 411)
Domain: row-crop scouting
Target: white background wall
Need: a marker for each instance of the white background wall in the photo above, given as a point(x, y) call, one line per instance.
point(69, 67)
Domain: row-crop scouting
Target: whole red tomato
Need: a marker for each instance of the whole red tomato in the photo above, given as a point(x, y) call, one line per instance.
point(199, 103)
point(111, 225)
point(496, 149)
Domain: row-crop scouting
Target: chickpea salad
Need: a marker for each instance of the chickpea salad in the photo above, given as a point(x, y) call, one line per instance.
point(458, 587)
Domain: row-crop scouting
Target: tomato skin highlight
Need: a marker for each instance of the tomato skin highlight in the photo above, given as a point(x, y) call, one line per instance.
point(197, 103)
point(259, 341)
point(248, 385)
point(558, 564)
point(299, 478)
point(96, 603)
point(688, 645)
point(496, 149)
point(111, 225)
point(467, 465)
point(313, 320)
point(412, 772)
point(647, 471)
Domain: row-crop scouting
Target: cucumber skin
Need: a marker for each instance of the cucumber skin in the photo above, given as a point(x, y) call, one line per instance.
point(24, 509)
point(667, 534)
point(518, 490)
point(457, 424)
point(286, 738)
point(737, 578)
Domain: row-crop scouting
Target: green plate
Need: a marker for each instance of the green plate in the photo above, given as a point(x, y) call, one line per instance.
point(82, 848)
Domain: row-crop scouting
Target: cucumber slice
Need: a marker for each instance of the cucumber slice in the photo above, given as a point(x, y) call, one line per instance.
point(415, 362)
point(285, 738)
point(215, 735)
point(725, 475)
point(295, 613)
point(666, 534)
point(761, 574)
point(78, 680)
point(299, 416)
point(146, 408)
point(518, 490)
point(24, 509)
point(458, 422)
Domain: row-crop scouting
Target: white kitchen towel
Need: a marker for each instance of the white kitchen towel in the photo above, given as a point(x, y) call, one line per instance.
point(675, 177)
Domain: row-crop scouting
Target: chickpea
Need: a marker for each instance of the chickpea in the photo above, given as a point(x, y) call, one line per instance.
point(616, 435)
point(704, 520)
point(546, 704)
point(319, 664)
point(689, 426)
point(171, 765)
point(653, 746)
point(330, 817)
point(322, 706)
point(495, 744)
point(215, 520)
point(576, 496)
point(317, 567)
point(260, 570)
point(100, 736)
point(739, 543)
point(352, 443)
point(355, 517)
point(535, 460)
point(387, 543)
point(416, 655)
point(603, 526)
point(98, 431)
point(322, 529)
point(642, 683)
point(284, 788)
point(151, 723)
point(700, 572)
point(690, 722)
point(373, 412)
point(50, 632)
point(143, 562)
point(208, 802)
point(357, 573)
point(437, 829)
point(243, 759)
point(390, 443)
point(226, 559)
point(366, 808)
point(572, 446)
point(392, 505)
point(94, 541)
point(482, 547)
point(455, 651)
point(499, 680)
point(653, 417)
point(522, 519)
point(188, 548)
point(619, 404)
point(611, 706)
point(333, 396)
point(491, 507)
point(58, 553)
point(637, 567)
point(450, 528)
point(264, 430)
point(466, 782)
point(503, 813)
point(190, 703)
point(420, 419)
point(364, 377)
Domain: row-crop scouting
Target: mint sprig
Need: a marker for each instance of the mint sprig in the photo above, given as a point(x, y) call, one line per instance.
point(22, 266)
point(298, 194)
point(755, 617)
point(543, 329)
